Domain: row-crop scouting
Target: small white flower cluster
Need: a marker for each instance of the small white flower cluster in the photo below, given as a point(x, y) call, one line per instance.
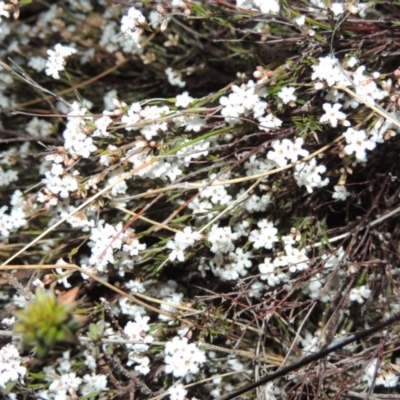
point(358, 143)
point(366, 86)
point(329, 71)
point(183, 100)
point(11, 369)
point(181, 358)
point(78, 220)
point(167, 293)
point(76, 141)
point(57, 59)
point(175, 77)
point(105, 240)
point(177, 392)
point(341, 193)
point(384, 127)
point(62, 386)
point(265, 236)
point(221, 239)
point(16, 219)
point(385, 378)
point(39, 127)
point(3, 11)
point(8, 176)
point(310, 344)
point(193, 151)
point(265, 7)
point(101, 126)
point(244, 100)
point(37, 63)
point(182, 241)
point(292, 259)
point(285, 151)
point(338, 8)
point(255, 166)
point(359, 294)
point(308, 175)
point(254, 203)
point(232, 266)
point(271, 272)
point(112, 40)
point(137, 331)
point(132, 25)
point(139, 155)
point(57, 183)
point(148, 117)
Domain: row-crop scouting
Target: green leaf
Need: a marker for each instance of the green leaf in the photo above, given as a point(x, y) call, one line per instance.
point(73, 251)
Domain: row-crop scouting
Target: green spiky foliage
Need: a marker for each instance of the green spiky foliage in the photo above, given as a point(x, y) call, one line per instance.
point(46, 321)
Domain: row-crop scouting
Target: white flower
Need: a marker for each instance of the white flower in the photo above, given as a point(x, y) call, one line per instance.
point(270, 6)
point(337, 8)
point(187, 237)
point(341, 193)
point(137, 331)
point(131, 25)
point(175, 77)
point(182, 358)
point(193, 123)
point(309, 344)
point(221, 239)
point(388, 379)
point(308, 175)
point(351, 62)
point(177, 252)
point(217, 194)
point(101, 125)
point(270, 391)
point(297, 259)
point(177, 392)
point(370, 371)
point(279, 152)
point(94, 383)
point(6, 177)
point(144, 363)
point(268, 273)
point(57, 59)
point(255, 290)
point(332, 114)
point(358, 143)
point(183, 100)
point(65, 382)
point(265, 237)
point(296, 150)
point(300, 20)
point(39, 127)
point(3, 12)
point(10, 368)
point(329, 71)
point(358, 294)
point(37, 63)
point(181, 242)
point(269, 122)
point(287, 94)
point(334, 95)
point(64, 275)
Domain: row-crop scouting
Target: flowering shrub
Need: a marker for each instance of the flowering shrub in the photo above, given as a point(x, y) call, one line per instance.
point(209, 180)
